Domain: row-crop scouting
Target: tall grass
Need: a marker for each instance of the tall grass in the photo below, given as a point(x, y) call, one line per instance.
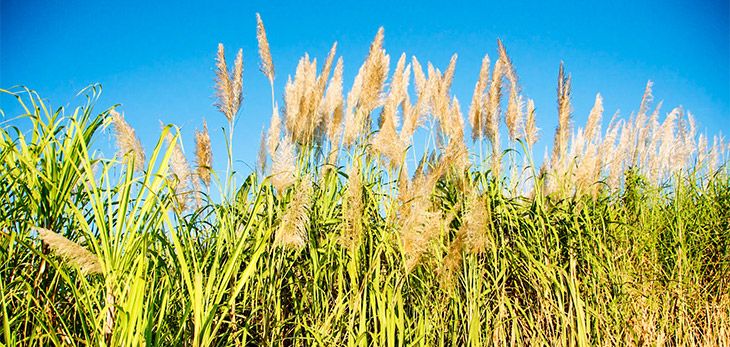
point(621, 237)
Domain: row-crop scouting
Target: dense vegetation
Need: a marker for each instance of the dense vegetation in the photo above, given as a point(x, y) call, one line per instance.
point(620, 237)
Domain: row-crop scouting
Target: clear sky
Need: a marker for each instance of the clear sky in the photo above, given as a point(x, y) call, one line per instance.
point(156, 58)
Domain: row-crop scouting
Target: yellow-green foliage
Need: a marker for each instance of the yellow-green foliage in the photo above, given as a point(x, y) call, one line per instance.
point(621, 238)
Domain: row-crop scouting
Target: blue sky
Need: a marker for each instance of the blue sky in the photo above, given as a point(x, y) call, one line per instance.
point(156, 59)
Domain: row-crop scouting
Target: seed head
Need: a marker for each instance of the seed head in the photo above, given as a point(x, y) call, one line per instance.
point(229, 85)
point(127, 140)
point(203, 154)
point(267, 66)
point(74, 253)
point(292, 231)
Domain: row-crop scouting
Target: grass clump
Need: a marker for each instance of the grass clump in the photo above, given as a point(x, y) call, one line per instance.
point(619, 238)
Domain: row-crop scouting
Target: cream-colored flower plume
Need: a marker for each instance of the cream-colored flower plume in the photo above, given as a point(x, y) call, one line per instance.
point(74, 253)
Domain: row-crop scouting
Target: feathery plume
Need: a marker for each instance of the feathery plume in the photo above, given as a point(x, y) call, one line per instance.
point(203, 154)
point(593, 125)
point(450, 265)
point(585, 150)
point(272, 137)
point(577, 144)
point(690, 144)
point(419, 224)
point(640, 130)
point(419, 77)
point(74, 253)
point(229, 85)
point(351, 126)
point(299, 99)
point(562, 132)
point(448, 77)
point(702, 153)
point(261, 161)
point(618, 156)
point(646, 99)
point(181, 170)
point(307, 105)
point(416, 115)
point(654, 138)
point(685, 144)
point(440, 99)
point(224, 85)
point(531, 131)
point(715, 153)
point(515, 106)
point(477, 102)
point(127, 140)
point(283, 166)
point(669, 141)
point(387, 141)
point(237, 83)
point(588, 161)
point(603, 145)
point(474, 223)
point(398, 92)
point(608, 146)
point(353, 208)
point(331, 102)
point(388, 144)
point(494, 99)
point(434, 74)
point(457, 146)
point(542, 173)
point(376, 74)
point(366, 92)
point(267, 66)
point(327, 68)
point(335, 127)
point(292, 231)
